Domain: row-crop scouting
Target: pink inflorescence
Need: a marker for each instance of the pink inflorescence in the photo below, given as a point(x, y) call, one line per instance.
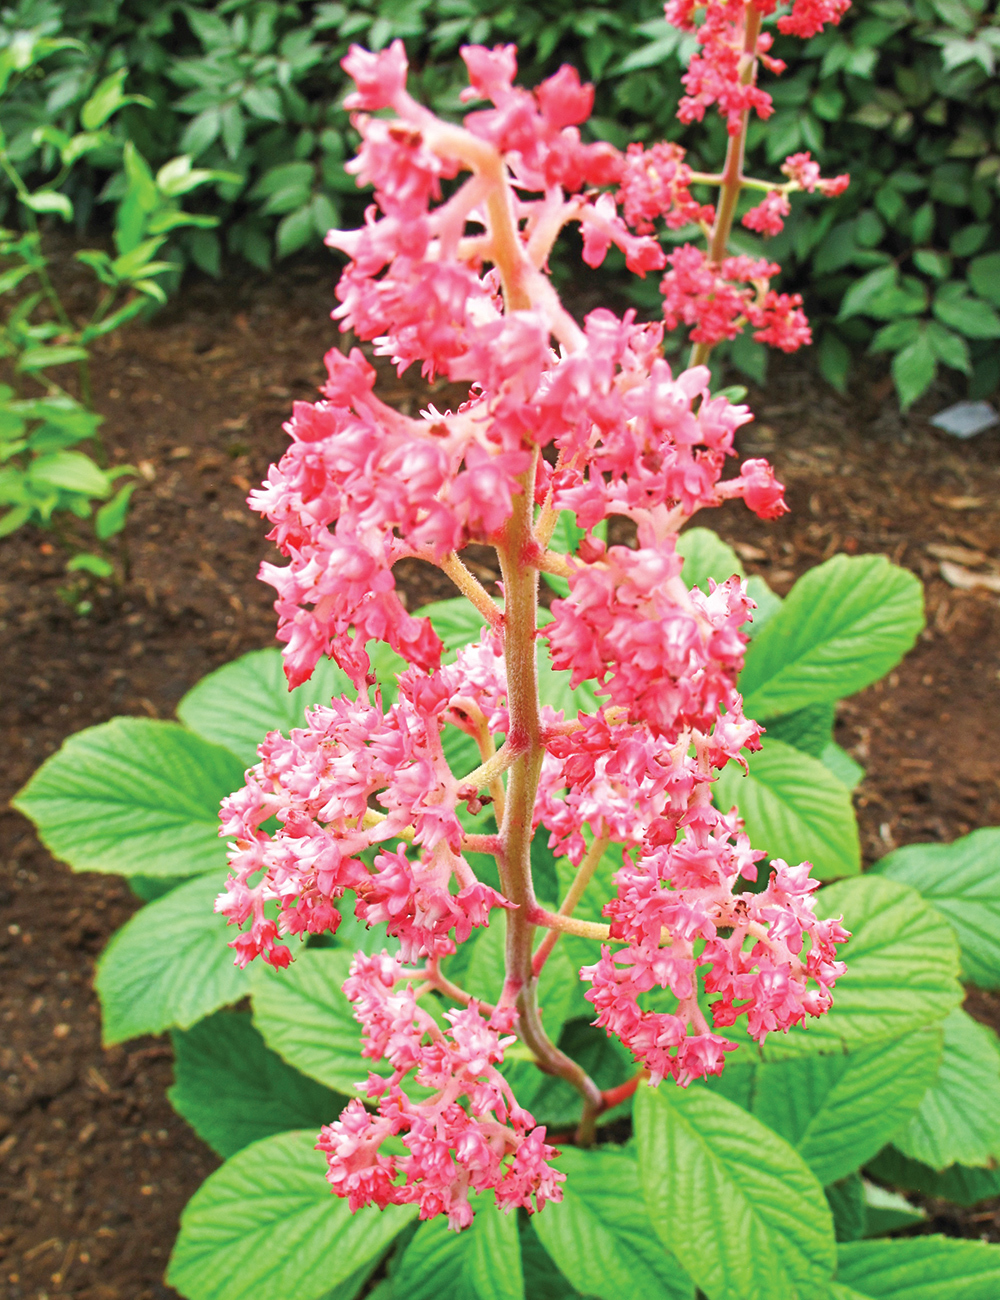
point(361, 801)
point(471, 1136)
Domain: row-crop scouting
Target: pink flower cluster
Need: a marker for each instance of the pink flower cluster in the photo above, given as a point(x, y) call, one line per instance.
point(730, 39)
point(470, 1136)
point(717, 301)
point(449, 273)
point(774, 960)
point(319, 783)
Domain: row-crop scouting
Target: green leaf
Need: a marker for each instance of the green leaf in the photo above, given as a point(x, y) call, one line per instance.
point(233, 1090)
point(43, 357)
point(481, 1263)
point(984, 276)
point(970, 316)
point(494, 1265)
point(600, 1234)
point(960, 1183)
point(295, 231)
point(859, 297)
point(888, 1211)
point(842, 626)
point(48, 201)
point(846, 1199)
point(133, 796)
point(266, 1224)
point(958, 1120)
point(170, 965)
point(706, 556)
point(839, 1111)
point(951, 348)
point(932, 263)
point(110, 519)
point(809, 729)
point(846, 769)
point(305, 1017)
point(88, 563)
point(902, 967)
point(456, 621)
point(914, 369)
point(733, 1201)
point(794, 808)
point(921, 1268)
point(238, 704)
point(108, 99)
point(962, 880)
point(72, 471)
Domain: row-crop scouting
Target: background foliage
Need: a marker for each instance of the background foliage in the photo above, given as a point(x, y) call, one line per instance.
point(902, 95)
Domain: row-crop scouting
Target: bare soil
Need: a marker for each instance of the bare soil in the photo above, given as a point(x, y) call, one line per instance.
point(94, 1165)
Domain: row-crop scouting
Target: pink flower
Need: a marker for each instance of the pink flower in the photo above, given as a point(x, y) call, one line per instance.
point(769, 215)
point(380, 78)
point(493, 1144)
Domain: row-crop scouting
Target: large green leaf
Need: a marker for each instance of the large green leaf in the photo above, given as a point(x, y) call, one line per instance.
point(133, 796)
point(238, 704)
point(842, 626)
point(839, 1111)
point(810, 728)
point(233, 1090)
point(962, 880)
point(304, 1017)
point(733, 1201)
point(267, 1224)
point(456, 621)
point(921, 1268)
point(794, 808)
point(958, 1120)
point(959, 1183)
point(902, 970)
point(706, 556)
point(600, 1235)
point(169, 966)
point(481, 1263)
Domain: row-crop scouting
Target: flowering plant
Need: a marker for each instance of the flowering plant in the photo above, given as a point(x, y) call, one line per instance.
point(459, 286)
point(370, 827)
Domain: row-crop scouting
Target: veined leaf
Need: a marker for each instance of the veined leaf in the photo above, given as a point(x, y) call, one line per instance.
point(169, 965)
point(921, 1268)
point(481, 1263)
point(794, 808)
point(233, 1090)
point(133, 796)
point(600, 1233)
point(842, 626)
point(902, 968)
point(706, 556)
point(958, 1120)
point(266, 1223)
point(839, 1111)
point(238, 704)
point(960, 1183)
point(733, 1201)
point(962, 880)
point(304, 1017)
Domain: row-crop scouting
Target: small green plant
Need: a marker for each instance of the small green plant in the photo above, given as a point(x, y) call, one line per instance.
point(45, 475)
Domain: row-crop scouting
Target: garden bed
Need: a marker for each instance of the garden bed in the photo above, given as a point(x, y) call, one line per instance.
point(94, 1165)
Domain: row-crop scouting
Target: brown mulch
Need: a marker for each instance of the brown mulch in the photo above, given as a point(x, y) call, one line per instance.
point(94, 1165)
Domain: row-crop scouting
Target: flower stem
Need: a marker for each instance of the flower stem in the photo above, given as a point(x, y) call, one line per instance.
point(581, 880)
point(521, 602)
point(732, 172)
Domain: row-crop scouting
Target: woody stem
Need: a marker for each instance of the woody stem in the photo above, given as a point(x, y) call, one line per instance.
point(732, 172)
point(520, 580)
